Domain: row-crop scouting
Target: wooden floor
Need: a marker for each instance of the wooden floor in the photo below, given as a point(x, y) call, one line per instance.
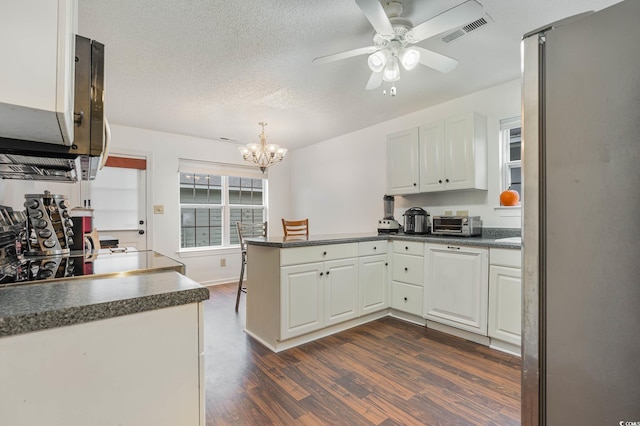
point(386, 372)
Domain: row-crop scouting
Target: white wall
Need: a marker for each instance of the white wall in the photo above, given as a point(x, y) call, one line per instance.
point(338, 184)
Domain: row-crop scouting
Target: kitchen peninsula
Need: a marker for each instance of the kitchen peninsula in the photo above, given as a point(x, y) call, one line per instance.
point(301, 289)
point(104, 349)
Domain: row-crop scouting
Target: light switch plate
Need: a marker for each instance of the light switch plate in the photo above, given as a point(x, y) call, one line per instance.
point(158, 209)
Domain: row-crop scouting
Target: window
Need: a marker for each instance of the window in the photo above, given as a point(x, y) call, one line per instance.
point(511, 149)
point(212, 203)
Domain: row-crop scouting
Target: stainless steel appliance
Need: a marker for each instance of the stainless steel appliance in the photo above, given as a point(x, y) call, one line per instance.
point(31, 160)
point(388, 224)
point(49, 226)
point(462, 226)
point(581, 154)
point(416, 221)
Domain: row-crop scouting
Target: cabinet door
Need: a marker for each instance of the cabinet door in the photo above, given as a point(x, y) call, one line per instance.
point(459, 158)
point(37, 73)
point(402, 162)
point(301, 299)
point(505, 304)
point(432, 174)
point(457, 287)
point(406, 297)
point(341, 290)
point(373, 274)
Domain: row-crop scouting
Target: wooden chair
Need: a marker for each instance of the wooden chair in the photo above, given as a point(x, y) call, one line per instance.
point(246, 230)
point(296, 227)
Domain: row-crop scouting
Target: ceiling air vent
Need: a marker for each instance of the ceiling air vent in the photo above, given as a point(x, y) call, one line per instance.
point(457, 33)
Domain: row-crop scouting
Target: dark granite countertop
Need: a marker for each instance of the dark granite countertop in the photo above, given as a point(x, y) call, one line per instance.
point(50, 304)
point(489, 238)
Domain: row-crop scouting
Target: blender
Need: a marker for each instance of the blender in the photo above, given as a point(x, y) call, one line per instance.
point(388, 224)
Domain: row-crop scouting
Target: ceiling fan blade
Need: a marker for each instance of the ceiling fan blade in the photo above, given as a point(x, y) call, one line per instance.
point(455, 17)
point(374, 12)
point(435, 60)
point(344, 55)
point(374, 81)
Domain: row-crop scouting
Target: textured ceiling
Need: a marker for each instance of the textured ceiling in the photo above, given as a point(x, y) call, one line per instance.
point(214, 69)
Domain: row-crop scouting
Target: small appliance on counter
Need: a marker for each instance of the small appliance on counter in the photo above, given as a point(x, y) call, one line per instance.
point(416, 221)
point(388, 225)
point(462, 226)
point(86, 235)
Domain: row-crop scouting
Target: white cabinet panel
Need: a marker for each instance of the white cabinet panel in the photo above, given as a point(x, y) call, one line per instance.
point(406, 297)
point(297, 255)
point(402, 162)
point(505, 304)
point(373, 274)
point(341, 290)
point(37, 42)
point(370, 248)
point(408, 269)
point(456, 287)
point(408, 247)
point(432, 157)
point(302, 299)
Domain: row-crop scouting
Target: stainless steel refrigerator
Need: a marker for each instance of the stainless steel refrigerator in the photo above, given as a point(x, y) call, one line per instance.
point(581, 227)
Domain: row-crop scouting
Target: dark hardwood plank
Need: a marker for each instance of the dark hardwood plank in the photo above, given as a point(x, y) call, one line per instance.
point(387, 372)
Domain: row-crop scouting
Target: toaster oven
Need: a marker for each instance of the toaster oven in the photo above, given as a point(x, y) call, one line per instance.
point(464, 226)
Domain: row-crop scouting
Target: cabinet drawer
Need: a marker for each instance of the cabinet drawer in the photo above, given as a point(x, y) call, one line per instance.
point(408, 247)
point(369, 248)
point(506, 257)
point(296, 255)
point(408, 269)
point(406, 298)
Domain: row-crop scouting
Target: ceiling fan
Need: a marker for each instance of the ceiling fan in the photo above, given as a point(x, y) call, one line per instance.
point(395, 35)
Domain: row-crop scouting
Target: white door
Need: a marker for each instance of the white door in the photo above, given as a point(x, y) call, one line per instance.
point(118, 199)
point(341, 290)
point(373, 277)
point(505, 304)
point(432, 175)
point(301, 303)
point(402, 162)
point(457, 287)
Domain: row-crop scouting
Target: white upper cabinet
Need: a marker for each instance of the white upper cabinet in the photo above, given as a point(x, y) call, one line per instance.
point(453, 154)
point(402, 162)
point(444, 155)
point(37, 51)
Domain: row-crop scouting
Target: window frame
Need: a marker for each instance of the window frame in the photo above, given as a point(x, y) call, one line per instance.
point(505, 140)
point(225, 172)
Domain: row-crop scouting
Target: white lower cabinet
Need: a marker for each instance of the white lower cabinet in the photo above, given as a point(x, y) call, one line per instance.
point(407, 277)
point(456, 286)
point(373, 274)
point(505, 296)
point(318, 294)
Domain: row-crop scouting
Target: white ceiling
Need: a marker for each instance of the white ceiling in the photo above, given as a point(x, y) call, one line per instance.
point(214, 69)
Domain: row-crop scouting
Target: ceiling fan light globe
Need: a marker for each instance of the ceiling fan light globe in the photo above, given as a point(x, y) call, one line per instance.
point(378, 60)
point(391, 70)
point(409, 58)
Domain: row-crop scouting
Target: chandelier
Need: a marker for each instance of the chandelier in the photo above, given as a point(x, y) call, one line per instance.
point(263, 155)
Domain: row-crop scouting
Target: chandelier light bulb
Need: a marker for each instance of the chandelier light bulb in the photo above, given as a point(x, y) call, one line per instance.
point(391, 70)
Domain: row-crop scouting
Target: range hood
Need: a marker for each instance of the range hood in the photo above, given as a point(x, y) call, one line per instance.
point(36, 160)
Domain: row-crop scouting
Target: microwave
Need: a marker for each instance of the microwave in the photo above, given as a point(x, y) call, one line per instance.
point(32, 160)
point(463, 226)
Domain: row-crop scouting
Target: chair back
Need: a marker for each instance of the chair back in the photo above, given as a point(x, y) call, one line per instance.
point(295, 227)
point(247, 230)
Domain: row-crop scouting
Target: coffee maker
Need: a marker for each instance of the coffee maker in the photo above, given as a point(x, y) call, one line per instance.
point(388, 225)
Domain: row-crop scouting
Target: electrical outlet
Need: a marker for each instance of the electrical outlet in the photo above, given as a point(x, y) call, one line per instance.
point(158, 209)
point(223, 262)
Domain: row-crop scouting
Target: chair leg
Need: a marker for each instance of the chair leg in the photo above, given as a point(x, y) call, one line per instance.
point(240, 282)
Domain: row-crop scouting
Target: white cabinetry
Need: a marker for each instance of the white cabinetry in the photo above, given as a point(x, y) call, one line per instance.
point(373, 272)
point(453, 154)
point(317, 293)
point(37, 48)
point(120, 370)
point(402, 162)
point(456, 286)
point(407, 276)
point(505, 298)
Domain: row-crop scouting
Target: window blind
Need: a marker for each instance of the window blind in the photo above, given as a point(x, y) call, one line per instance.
point(211, 168)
